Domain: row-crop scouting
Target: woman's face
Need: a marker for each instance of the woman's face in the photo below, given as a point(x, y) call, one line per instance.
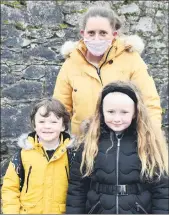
point(97, 28)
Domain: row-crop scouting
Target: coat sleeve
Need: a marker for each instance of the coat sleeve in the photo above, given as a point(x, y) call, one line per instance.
point(11, 191)
point(145, 83)
point(63, 89)
point(78, 188)
point(160, 196)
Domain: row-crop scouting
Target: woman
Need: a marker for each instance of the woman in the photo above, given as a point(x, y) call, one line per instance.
point(101, 57)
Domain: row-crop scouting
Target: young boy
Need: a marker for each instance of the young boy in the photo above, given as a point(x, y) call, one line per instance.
point(36, 180)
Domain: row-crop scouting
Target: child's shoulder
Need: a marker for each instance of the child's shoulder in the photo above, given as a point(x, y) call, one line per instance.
point(23, 145)
point(24, 141)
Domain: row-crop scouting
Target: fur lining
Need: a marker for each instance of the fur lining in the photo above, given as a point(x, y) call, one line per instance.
point(134, 41)
point(24, 143)
point(68, 47)
point(84, 126)
point(72, 143)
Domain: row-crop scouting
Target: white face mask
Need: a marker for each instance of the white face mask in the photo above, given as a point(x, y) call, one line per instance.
point(97, 47)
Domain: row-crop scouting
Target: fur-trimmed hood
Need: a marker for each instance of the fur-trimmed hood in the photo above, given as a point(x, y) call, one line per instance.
point(134, 42)
point(24, 142)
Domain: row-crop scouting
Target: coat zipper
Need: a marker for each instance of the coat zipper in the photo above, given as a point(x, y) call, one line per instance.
point(45, 154)
point(98, 69)
point(117, 171)
point(27, 182)
point(117, 174)
point(138, 206)
point(98, 72)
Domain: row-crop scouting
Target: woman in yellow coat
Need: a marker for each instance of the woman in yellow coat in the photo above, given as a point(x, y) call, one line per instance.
point(99, 58)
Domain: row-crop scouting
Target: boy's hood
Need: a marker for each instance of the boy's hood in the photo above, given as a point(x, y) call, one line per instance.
point(130, 43)
point(24, 143)
point(28, 142)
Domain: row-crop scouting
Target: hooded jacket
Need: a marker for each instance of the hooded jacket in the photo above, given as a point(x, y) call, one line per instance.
point(33, 184)
point(79, 82)
point(115, 185)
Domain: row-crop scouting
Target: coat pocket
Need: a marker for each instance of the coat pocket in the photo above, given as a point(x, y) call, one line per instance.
point(32, 208)
point(28, 176)
point(26, 209)
point(96, 209)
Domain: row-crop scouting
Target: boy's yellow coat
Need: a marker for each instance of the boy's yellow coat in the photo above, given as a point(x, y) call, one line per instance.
point(46, 184)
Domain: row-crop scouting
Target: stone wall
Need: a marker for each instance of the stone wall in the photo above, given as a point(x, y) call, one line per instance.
point(32, 34)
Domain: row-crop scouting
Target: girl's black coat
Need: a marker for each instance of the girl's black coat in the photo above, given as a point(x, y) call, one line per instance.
point(83, 197)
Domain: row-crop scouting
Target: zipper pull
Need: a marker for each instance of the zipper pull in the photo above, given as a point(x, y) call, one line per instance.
point(118, 142)
point(119, 137)
point(137, 207)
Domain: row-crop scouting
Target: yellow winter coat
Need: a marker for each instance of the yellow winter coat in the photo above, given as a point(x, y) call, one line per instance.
point(79, 83)
point(46, 181)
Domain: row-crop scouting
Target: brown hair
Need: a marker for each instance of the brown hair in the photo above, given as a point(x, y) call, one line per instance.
point(96, 11)
point(54, 106)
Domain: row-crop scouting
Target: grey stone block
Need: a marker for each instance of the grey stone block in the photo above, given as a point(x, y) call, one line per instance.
point(41, 53)
point(12, 14)
point(8, 79)
point(4, 69)
point(15, 121)
point(23, 90)
point(129, 9)
point(34, 72)
point(51, 76)
point(9, 30)
point(44, 13)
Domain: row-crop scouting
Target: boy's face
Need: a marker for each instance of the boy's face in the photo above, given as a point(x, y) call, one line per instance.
point(48, 128)
point(118, 111)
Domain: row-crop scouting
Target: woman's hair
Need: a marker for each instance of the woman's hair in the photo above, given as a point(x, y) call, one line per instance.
point(96, 11)
point(152, 147)
point(54, 106)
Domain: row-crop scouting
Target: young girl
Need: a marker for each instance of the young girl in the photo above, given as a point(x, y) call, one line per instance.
point(36, 180)
point(122, 165)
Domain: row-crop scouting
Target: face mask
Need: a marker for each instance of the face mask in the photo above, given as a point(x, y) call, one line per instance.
point(97, 47)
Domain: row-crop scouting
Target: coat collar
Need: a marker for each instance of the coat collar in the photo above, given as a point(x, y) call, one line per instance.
point(132, 43)
point(75, 51)
point(30, 141)
point(116, 49)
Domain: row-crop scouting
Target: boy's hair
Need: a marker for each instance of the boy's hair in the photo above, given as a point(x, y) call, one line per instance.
point(54, 106)
point(98, 11)
point(152, 147)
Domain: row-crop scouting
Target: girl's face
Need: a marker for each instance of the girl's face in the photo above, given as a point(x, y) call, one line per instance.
point(118, 111)
point(98, 28)
point(48, 128)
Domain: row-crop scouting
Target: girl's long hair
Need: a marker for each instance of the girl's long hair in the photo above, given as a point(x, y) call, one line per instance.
point(152, 147)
